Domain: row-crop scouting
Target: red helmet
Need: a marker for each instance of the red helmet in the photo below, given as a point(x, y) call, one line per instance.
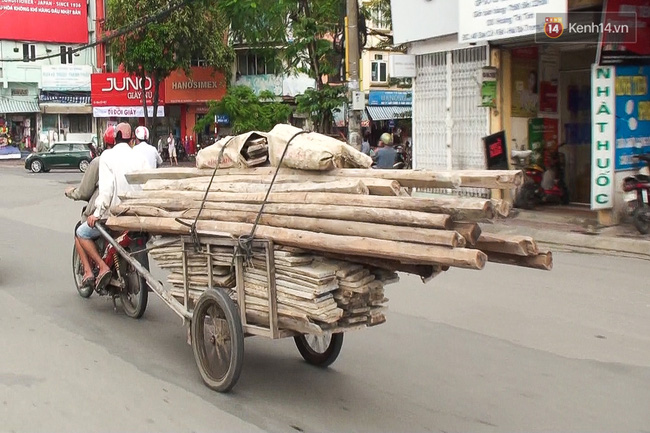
point(109, 136)
point(123, 132)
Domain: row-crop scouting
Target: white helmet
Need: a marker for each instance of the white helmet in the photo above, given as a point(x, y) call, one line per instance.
point(142, 133)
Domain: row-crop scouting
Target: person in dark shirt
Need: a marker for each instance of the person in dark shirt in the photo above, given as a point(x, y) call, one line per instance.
point(386, 155)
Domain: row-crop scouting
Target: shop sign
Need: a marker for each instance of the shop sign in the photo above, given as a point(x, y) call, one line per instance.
point(202, 85)
point(629, 46)
point(632, 114)
point(603, 118)
point(44, 21)
point(66, 77)
point(19, 92)
point(489, 87)
point(401, 66)
point(222, 119)
point(135, 111)
point(495, 151)
point(387, 97)
point(121, 90)
point(485, 20)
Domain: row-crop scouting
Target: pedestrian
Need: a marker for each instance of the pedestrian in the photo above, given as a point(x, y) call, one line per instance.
point(171, 145)
point(145, 149)
point(365, 144)
point(386, 156)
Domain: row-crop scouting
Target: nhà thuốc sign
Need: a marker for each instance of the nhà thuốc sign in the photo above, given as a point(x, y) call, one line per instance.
point(603, 123)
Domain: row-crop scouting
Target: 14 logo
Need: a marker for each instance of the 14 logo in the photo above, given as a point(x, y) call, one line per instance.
point(553, 27)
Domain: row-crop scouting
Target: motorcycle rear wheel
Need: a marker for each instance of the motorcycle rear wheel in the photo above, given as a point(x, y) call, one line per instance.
point(641, 219)
point(135, 295)
point(78, 274)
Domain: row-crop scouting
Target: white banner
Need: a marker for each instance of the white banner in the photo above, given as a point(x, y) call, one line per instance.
point(489, 20)
point(401, 66)
point(603, 136)
point(66, 77)
point(137, 111)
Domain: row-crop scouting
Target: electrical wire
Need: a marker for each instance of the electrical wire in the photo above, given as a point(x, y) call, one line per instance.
point(162, 13)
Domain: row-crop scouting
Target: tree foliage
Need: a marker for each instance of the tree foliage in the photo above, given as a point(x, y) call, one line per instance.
point(195, 30)
point(247, 111)
point(304, 30)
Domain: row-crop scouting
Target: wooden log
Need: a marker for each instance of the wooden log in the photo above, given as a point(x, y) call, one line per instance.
point(348, 213)
point(345, 186)
point(507, 244)
point(284, 323)
point(543, 260)
point(463, 209)
point(491, 179)
point(469, 231)
point(350, 245)
point(502, 207)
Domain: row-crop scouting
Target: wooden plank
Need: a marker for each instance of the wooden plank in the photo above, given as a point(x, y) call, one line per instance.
point(491, 179)
point(462, 209)
point(346, 186)
point(507, 244)
point(543, 260)
point(469, 231)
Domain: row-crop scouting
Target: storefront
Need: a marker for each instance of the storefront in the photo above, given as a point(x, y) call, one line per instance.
point(65, 104)
point(18, 114)
point(388, 110)
point(117, 97)
point(187, 100)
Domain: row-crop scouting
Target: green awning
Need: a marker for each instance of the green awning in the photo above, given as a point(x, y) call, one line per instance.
point(8, 105)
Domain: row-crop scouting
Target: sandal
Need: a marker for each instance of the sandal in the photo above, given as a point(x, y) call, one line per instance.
point(103, 279)
point(88, 281)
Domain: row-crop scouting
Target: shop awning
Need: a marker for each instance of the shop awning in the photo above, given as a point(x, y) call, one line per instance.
point(14, 106)
point(389, 112)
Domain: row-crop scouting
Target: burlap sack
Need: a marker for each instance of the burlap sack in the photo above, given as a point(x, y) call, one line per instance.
point(233, 156)
point(312, 151)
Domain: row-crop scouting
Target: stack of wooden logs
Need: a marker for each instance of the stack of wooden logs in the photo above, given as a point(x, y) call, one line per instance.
point(359, 224)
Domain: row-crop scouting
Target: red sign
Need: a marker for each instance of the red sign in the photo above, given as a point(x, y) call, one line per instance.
point(121, 90)
point(626, 33)
point(44, 21)
point(202, 85)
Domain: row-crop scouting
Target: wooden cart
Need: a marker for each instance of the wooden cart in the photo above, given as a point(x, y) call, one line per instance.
point(217, 325)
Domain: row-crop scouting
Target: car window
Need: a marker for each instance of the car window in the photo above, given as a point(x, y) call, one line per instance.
point(79, 147)
point(61, 147)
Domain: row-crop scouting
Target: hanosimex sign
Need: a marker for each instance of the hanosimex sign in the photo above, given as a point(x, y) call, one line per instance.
point(603, 138)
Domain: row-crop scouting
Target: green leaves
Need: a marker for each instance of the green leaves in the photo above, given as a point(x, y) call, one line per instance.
point(247, 111)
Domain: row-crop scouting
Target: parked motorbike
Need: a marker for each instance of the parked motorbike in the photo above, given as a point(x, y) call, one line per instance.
point(125, 282)
point(403, 160)
point(544, 186)
point(637, 188)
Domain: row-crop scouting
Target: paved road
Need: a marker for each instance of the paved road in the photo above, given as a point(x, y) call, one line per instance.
point(504, 349)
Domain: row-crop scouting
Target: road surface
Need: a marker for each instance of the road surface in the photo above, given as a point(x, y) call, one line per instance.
point(503, 349)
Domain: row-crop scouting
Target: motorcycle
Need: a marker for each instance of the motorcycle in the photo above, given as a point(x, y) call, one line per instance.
point(403, 159)
point(125, 282)
point(544, 186)
point(637, 188)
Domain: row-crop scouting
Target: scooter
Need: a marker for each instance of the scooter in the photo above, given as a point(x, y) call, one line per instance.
point(544, 186)
point(638, 190)
point(125, 284)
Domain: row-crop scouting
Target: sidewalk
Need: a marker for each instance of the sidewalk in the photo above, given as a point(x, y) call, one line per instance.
point(574, 229)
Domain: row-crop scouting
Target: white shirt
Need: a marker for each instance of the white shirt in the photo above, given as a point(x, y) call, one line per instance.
point(114, 165)
point(149, 153)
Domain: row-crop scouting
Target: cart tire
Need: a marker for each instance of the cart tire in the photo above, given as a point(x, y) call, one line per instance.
point(320, 350)
point(135, 295)
point(78, 275)
point(217, 331)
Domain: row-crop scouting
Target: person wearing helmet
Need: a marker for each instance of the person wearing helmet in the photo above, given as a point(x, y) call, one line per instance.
point(386, 155)
point(114, 164)
point(147, 151)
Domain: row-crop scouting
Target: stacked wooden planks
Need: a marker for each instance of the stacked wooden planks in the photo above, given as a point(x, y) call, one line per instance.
point(340, 235)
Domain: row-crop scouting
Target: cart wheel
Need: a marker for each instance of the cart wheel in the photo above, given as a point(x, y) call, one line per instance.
point(78, 275)
point(217, 340)
point(320, 350)
point(135, 295)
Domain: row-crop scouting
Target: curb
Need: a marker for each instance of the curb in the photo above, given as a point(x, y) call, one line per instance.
point(639, 248)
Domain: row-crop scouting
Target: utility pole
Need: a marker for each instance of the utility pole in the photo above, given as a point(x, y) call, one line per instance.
point(352, 41)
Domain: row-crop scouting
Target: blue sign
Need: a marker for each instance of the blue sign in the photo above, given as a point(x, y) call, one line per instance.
point(222, 119)
point(632, 115)
point(388, 97)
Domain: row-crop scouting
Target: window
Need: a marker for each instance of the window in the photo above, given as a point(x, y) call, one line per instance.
point(379, 69)
point(78, 147)
point(66, 55)
point(29, 53)
point(379, 18)
point(255, 64)
point(59, 148)
point(80, 123)
point(199, 62)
